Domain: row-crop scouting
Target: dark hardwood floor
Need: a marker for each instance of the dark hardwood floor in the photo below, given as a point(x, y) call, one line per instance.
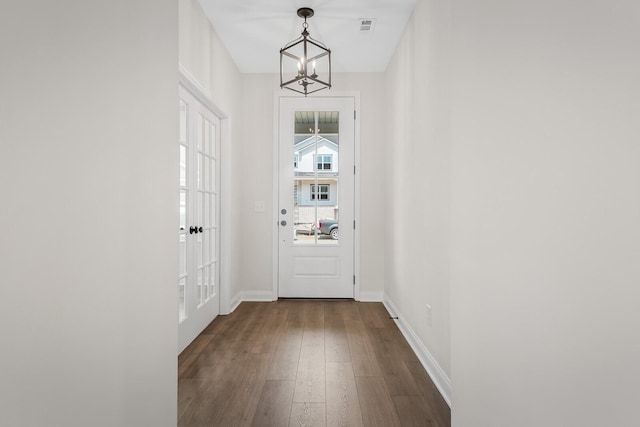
point(305, 363)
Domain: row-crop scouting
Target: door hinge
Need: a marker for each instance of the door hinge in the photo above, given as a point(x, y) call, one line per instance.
point(354, 279)
point(354, 114)
point(354, 224)
point(354, 169)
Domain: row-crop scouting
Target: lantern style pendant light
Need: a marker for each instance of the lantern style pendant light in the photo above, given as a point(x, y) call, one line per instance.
point(305, 63)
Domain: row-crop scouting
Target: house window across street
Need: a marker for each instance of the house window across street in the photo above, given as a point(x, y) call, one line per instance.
point(324, 162)
point(323, 192)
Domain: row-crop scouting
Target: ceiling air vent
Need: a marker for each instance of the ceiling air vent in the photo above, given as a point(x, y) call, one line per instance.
point(366, 25)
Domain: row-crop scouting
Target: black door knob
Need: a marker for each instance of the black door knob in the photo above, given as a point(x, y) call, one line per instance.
point(193, 229)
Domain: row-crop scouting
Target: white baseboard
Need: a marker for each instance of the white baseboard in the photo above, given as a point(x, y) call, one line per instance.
point(438, 376)
point(241, 296)
point(371, 296)
point(235, 302)
point(258, 296)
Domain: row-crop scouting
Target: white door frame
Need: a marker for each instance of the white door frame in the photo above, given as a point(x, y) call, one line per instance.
point(278, 94)
point(192, 86)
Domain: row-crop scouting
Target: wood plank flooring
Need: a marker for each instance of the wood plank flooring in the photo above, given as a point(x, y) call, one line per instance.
point(305, 363)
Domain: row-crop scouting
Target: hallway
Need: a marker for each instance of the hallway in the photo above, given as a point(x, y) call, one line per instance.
point(305, 363)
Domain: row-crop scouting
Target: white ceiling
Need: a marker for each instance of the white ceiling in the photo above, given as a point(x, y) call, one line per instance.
point(253, 31)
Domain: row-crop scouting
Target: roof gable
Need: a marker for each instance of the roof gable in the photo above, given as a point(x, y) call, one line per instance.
point(307, 143)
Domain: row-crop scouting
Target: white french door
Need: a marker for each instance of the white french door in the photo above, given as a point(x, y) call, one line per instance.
point(198, 230)
point(316, 197)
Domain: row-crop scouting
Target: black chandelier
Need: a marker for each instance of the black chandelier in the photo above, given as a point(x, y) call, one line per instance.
point(305, 63)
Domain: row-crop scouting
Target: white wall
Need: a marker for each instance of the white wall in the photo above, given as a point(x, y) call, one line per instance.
point(88, 127)
point(546, 213)
point(204, 56)
point(373, 175)
point(535, 173)
point(253, 172)
point(417, 169)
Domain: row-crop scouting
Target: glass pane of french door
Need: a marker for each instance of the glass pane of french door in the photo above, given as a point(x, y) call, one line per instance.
point(206, 206)
point(183, 274)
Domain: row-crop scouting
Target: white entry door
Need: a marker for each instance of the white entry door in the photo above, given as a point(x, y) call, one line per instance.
point(316, 197)
point(198, 230)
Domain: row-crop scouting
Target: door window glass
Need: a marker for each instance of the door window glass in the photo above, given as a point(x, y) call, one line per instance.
point(316, 153)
